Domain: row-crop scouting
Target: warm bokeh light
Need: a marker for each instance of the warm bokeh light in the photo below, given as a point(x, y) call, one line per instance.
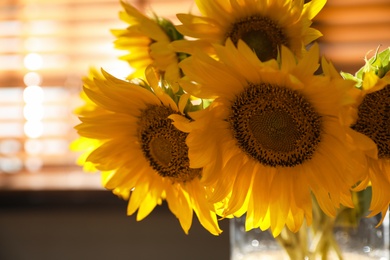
point(118, 69)
point(33, 94)
point(33, 129)
point(33, 164)
point(33, 146)
point(33, 61)
point(10, 164)
point(10, 147)
point(33, 112)
point(32, 79)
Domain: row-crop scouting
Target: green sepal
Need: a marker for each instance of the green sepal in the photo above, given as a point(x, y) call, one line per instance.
point(142, 83)
point(349, 76)
point(173, 34)
point(379, 63)
point(350, 217)
point(169, 28)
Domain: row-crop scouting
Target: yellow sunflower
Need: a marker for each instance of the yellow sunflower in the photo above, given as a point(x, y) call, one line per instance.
point(141, 151)
point(272, 137)
point(264, 25)
point(89, 108)
point(372, 119)
point(148, 43)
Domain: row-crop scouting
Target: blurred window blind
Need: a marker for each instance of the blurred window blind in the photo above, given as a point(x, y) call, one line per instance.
point(351, 29)
point(47, 46)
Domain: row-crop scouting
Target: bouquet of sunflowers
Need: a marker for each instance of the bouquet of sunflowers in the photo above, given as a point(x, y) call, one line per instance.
point(233, 112)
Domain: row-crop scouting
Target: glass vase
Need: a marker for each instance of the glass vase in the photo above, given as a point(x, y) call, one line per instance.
point(347, 241)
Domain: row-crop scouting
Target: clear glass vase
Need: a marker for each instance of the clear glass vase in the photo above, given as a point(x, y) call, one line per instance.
point(357, 242)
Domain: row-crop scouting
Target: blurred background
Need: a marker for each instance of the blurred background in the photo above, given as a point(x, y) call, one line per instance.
point(49, 208)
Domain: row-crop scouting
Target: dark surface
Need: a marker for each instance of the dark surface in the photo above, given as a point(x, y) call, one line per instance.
point(76, 225)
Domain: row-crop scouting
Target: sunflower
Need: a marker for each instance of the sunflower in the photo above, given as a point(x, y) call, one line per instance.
point(262, 24)
point(272, 136)
point(372, 119)
point(140, 151)
point(148, 42)
point(89, 108)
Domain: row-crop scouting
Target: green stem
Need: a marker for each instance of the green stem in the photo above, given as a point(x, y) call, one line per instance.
point(323, 239)
point(314, 242)
point(294, 244)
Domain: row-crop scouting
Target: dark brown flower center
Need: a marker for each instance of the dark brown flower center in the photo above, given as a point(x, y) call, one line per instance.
point(374, 120)
point(275, 125)
point(261, 34)
point(164, 146)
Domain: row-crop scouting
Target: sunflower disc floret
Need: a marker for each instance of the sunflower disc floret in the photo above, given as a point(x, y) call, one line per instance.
point(275, 125)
